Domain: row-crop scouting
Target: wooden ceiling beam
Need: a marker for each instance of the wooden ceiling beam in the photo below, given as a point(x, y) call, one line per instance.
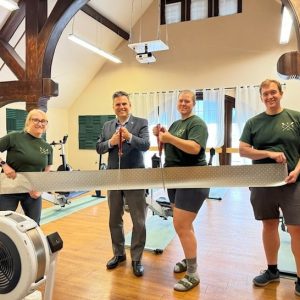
point(42, 34)
point(28, 88)
point(19, 89)
point(42, 14)
point(104, 21)
point(288, 65)
point(60, 16)
point(31, 38)
point(12, 60)
point(13, 22)
point(10, 101)
point(294, 8)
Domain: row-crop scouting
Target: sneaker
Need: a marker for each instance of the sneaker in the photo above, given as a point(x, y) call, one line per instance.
point(297, 288)
point(265, 278)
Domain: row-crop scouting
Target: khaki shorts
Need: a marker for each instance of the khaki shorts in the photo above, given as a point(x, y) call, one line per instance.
point(266, 202)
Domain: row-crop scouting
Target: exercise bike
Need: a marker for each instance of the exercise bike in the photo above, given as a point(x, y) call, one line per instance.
point(160, 206)
point(64, 166)
point(59, 198)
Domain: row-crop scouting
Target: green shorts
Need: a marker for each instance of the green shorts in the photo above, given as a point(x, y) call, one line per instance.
point(266, 202)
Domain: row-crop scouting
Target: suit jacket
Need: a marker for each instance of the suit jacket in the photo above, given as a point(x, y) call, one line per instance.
point(132, 152)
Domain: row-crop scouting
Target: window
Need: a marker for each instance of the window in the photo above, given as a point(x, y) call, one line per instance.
point(212, 126)
point(199, 9)
point(199, 107)
point(209, 119)
point(174, 11)
point(229, 102)
point(228, 7)
point(236, 159)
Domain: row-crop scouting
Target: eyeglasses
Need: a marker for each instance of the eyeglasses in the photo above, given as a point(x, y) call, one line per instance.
point(37, 121)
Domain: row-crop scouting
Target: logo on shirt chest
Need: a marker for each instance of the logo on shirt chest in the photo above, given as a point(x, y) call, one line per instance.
point(44, 151)
point(180, 132)
point(287, 126)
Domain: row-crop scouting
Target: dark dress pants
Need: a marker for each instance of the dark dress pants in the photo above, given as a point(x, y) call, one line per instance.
point(135, 199)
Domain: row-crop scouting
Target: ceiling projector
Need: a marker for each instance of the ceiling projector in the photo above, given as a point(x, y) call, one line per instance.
point(145, 58)
point(144, 50)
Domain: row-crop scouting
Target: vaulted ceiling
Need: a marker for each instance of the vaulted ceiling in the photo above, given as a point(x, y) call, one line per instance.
point(73, 67)
point(54, 65)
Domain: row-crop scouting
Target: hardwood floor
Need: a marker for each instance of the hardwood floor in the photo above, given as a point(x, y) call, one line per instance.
point(230, 254)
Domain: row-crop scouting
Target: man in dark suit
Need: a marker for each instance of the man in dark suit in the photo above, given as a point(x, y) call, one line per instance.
point(134, 141)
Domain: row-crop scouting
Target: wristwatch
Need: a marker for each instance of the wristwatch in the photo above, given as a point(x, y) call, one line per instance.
point(2, 163)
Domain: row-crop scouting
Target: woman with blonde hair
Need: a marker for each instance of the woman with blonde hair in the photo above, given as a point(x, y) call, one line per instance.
point(26, 151)
point(185, 144)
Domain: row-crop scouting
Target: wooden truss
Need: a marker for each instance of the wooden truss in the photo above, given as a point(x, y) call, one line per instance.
point(42, 32)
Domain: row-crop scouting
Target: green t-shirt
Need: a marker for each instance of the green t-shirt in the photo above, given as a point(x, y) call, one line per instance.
point(278, 133)
point(192, 128)
point(26, 153)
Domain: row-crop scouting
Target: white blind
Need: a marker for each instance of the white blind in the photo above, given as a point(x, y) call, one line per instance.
point(173, 13)
point(228, 7)
point(199, 9)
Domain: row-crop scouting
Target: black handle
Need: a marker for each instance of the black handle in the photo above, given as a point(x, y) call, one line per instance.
point(212, 152)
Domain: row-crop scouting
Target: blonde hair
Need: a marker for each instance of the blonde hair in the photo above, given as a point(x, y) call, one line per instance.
point(32, 112)
point(189, 92)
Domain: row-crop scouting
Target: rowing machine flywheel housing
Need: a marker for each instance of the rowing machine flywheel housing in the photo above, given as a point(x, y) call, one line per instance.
point(24, 256)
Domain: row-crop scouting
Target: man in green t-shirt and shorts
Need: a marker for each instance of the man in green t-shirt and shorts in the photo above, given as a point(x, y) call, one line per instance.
point(274, 137)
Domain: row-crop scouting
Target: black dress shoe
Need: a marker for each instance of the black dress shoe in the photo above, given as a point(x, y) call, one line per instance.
point(138, 269)
point(113, 262)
